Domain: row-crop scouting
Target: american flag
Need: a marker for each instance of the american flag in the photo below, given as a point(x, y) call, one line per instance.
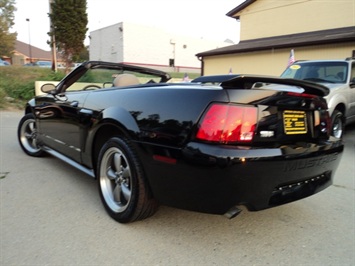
point(186, 78)
point(291, 59)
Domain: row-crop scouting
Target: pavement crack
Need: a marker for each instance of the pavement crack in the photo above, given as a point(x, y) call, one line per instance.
point(345, 187)
point(3, 174)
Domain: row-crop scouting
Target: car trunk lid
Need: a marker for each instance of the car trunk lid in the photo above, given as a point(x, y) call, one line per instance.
point(288, 110)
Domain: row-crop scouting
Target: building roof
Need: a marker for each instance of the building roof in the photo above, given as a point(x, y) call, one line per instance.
point(24, 49)
point(239, 8)
point(331, 36)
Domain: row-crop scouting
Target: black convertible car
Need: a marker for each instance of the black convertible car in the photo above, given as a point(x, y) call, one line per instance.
point(202, 148)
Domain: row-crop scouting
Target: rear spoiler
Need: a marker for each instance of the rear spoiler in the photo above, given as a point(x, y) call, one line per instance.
point(249, 82)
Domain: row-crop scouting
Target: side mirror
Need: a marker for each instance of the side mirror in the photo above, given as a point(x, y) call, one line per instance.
point(352, 83)
point(48, 88)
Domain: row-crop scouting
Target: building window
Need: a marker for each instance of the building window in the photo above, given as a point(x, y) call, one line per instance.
point(172, 62)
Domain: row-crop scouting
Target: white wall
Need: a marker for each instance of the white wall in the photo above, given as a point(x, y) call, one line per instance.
point(106, 44)
point(143, 45)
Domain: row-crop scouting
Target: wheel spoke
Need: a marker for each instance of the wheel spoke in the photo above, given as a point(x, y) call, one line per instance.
point(110, 173)
point(31, 127)
point(126, 173)
point(114, 167)
point(117, 193)
point(34, 143)
point(126, 192)
point(28, 135)
point(117, 161)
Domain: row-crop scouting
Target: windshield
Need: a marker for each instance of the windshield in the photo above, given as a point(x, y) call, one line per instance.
point(331, 72)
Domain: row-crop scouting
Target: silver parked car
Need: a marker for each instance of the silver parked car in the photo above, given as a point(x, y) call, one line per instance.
point(339, 77)
point(4, 63)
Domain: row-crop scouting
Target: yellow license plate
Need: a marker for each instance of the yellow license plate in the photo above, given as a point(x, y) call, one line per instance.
point(295, 122)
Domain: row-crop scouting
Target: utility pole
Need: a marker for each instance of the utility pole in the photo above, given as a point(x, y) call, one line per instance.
point(29, 39)
point(53, 47)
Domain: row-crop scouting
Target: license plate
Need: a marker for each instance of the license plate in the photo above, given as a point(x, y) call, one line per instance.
point(295, 122)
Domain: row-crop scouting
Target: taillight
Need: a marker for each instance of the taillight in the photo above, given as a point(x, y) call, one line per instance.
point(227, 123)
point(304, 95)
point(323, 121)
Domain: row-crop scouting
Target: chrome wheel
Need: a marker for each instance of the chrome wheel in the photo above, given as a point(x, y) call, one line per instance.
point(123, 187)
point(115, 180)
point(337, 124)
point(338, 128)
point(27, 136)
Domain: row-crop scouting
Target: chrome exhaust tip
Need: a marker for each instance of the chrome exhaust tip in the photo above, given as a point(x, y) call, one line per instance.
point(232, 212)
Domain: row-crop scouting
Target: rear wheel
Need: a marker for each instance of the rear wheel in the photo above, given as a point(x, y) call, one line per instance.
point(27, 136)
point(337, 124)
point(122, 185)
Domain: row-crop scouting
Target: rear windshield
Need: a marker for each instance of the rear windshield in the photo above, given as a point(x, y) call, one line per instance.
point(333, 72)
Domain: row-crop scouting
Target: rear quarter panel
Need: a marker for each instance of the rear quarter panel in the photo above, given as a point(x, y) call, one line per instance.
point(164, 115)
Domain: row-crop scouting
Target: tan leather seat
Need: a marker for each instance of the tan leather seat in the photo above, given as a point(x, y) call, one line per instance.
point(125, 80)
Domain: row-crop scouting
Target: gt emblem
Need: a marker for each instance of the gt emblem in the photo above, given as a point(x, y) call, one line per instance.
point(267, 134)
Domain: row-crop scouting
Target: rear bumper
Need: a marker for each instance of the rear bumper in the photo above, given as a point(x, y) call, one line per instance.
point(213, 179)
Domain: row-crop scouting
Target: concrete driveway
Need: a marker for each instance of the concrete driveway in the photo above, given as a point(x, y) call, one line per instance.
point(51, 214)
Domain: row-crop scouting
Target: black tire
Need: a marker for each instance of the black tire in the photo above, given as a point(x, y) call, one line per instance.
point(337, 124)
point(27, 136)
point(123, 188)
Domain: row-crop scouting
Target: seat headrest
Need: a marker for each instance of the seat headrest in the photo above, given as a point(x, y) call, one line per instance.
point(125, 80)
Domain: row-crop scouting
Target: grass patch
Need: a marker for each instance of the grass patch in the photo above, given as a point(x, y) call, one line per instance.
point(17, 84)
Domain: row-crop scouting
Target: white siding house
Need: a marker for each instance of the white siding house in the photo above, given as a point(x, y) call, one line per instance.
point(148, 46)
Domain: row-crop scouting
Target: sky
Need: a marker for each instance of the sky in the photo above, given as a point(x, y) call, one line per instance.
point(199, 18)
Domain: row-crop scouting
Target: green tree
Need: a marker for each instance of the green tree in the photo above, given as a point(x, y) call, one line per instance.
point(7, 39)
point(68, 26)
point(83, 56)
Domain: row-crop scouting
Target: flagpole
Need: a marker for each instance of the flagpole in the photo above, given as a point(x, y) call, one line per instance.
point(291, 58)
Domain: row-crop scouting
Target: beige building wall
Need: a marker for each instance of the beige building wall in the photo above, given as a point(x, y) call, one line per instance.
point(272, 62)
point(266, 18)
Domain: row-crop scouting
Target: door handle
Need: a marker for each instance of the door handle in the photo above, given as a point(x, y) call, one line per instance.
point(85, 111)
point(74, 104)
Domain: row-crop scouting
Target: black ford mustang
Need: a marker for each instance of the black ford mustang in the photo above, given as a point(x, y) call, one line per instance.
point(254, 141)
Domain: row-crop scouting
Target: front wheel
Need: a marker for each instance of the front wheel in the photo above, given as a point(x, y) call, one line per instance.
point(27, 136)
point(337, 124)
point(122, 185)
